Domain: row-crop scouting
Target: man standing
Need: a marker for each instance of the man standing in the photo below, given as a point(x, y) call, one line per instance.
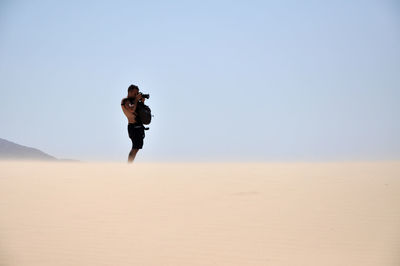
point(135, 126)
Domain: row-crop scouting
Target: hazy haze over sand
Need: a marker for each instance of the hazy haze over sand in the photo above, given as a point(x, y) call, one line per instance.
point(199, 214)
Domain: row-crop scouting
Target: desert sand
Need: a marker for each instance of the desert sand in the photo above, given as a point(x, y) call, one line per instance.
point(58, 214)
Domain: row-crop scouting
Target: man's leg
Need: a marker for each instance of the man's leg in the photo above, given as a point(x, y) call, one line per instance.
point(132, 155)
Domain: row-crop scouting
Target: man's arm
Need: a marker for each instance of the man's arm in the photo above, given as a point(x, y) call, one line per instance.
point(124, 101)
point(125, 106)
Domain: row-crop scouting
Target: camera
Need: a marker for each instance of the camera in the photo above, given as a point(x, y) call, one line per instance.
point(132, 100)
point(146, 96)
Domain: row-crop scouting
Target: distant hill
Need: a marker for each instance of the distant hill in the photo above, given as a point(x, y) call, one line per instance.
point(12, 151)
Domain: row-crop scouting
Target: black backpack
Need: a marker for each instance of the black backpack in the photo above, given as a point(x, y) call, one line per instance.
point(144, 113)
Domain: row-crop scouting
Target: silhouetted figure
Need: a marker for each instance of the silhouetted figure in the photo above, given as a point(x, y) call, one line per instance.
point(135, 126)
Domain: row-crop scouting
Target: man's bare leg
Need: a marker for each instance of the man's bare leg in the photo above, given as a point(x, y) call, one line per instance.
point(132, 155)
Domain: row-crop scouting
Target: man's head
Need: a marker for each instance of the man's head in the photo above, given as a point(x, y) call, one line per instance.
point(133, 90)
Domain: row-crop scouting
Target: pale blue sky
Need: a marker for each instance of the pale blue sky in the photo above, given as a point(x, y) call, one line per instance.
point(229, 80)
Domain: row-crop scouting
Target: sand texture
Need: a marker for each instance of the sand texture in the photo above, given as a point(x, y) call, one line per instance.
point(84, 214)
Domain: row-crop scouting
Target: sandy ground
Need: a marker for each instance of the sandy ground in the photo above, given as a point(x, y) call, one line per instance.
point(56, 214)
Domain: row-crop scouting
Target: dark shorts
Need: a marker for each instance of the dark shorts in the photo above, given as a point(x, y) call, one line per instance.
point(136, 134)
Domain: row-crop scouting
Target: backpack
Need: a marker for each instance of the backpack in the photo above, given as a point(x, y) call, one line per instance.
point(144, 113)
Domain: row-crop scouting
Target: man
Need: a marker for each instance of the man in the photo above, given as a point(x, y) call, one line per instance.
point(135, 126)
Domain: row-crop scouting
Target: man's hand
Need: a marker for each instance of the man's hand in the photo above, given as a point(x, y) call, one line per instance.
point(141, 98)
point(138, 98)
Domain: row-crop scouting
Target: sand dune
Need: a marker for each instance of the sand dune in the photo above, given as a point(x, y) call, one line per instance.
point(13, 151)
point(199, 214)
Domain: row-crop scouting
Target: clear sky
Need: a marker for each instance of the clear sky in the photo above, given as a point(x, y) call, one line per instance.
point(228, 80)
